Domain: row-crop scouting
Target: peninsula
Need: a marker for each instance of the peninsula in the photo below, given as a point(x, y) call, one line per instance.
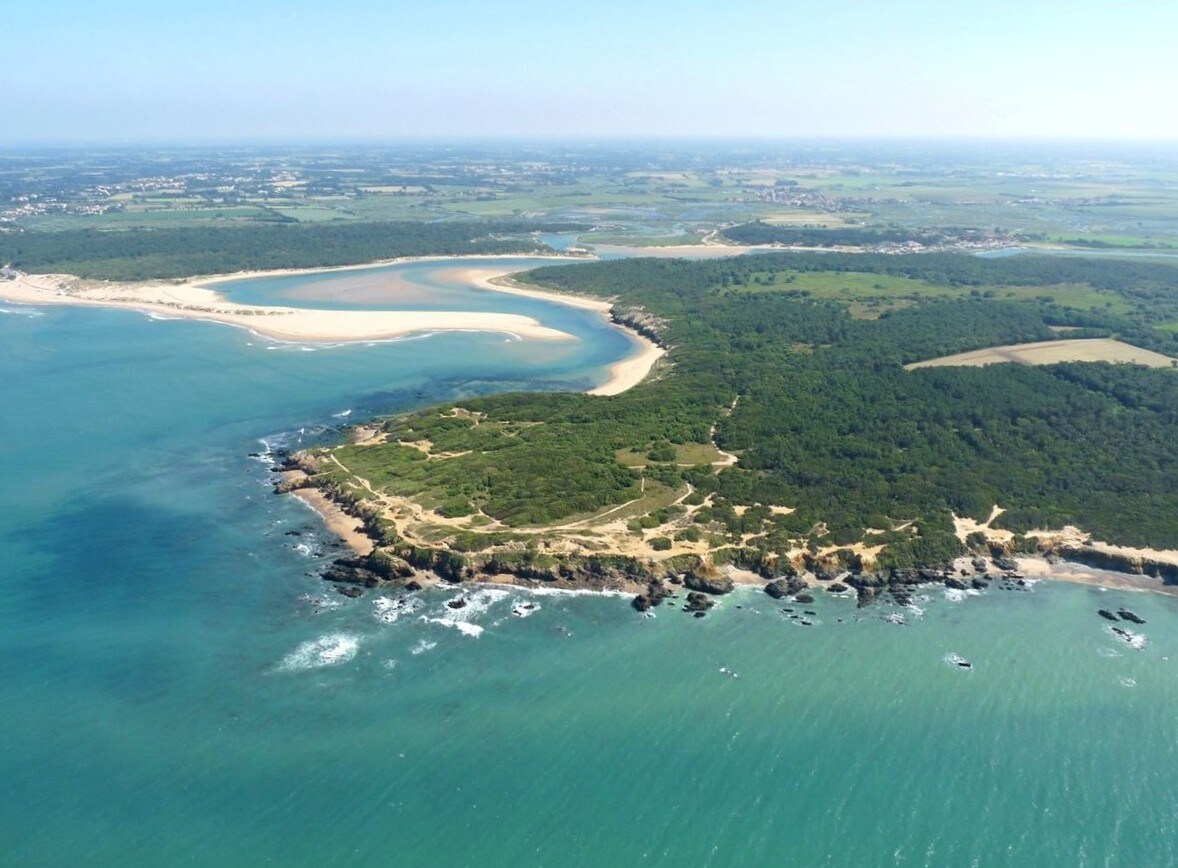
point(792, 439)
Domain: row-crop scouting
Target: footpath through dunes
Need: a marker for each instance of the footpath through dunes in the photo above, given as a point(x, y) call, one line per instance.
point(1053, 352)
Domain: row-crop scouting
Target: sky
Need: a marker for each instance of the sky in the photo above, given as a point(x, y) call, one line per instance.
point(259, 70)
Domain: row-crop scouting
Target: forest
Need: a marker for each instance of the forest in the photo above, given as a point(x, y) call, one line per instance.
point(825, 419)
point(144, 254)
point(759, 232)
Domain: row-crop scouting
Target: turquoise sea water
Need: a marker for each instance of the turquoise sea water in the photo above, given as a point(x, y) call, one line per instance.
point(177, 687)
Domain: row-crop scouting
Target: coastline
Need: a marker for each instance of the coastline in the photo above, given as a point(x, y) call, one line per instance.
point(349, 529)
point(623, 374)
point(195, 298)
point(1076, 573)
point(1037, 567)
point(631, 371)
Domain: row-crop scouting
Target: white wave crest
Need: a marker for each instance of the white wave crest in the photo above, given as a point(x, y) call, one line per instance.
point(957, 662)
point(473, 606)
point(956, 595)
point(329, 650)
point(320, 602)
point(1137, 641)
point(389, 609)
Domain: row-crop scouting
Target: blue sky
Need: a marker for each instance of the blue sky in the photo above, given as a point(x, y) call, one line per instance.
point(217, 70)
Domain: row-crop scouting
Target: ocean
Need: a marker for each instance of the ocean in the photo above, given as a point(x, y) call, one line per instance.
point(177, 686)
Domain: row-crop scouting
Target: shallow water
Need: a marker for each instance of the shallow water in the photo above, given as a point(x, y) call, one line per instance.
point(178, 686)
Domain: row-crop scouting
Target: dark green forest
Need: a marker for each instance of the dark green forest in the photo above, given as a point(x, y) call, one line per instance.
point(759, 232)
point(142, 254)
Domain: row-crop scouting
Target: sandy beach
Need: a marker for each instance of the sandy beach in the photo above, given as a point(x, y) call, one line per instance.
point(1067, 571)
point(631, 371)
point(497, 280)
point(623, 375)
point(346, 527)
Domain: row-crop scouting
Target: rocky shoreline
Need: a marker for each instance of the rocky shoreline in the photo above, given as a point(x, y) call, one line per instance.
point(398, 565)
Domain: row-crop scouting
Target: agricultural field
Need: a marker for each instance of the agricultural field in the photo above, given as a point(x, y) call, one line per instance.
point(644, 196)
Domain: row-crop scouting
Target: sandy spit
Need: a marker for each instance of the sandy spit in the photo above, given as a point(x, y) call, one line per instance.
point(196, 298)
point(190, 300)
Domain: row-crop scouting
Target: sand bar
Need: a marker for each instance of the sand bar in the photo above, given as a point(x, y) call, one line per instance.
point(189, 300)
point(195, 298)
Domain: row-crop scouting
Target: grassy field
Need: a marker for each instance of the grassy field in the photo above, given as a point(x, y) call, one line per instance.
point(151, 219)
point(1053, 352)
point(1109, 239)
point(869, 295)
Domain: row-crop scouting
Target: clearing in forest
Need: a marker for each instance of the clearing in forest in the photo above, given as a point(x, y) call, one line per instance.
point(1052, 352)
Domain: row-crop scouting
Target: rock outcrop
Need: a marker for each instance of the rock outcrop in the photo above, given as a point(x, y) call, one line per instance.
point(698, 604)
point(654, 594)
point(708, 583)
point(780, 588)
point(1121, 562)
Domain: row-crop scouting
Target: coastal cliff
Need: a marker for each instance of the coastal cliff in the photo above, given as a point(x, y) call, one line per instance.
point(396, 562)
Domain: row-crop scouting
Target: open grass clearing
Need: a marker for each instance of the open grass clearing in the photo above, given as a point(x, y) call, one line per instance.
point(871, 294)
point(1053, 352)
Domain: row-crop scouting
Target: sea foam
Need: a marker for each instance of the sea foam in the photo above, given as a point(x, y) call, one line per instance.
point(389, 609)
point(329, 650)
point(463, 619)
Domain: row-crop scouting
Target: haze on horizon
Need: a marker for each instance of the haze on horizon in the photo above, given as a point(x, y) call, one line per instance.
point(126, 71)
